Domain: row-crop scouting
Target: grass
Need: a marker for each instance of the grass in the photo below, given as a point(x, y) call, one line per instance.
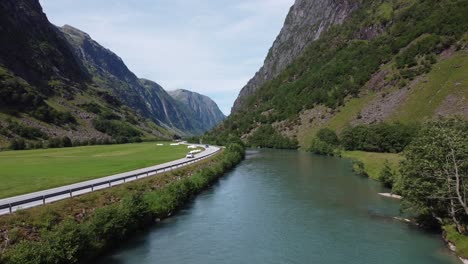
point(34, 170)
point(446, 77)
point(374, 162)
point(460, 241)
point(341, 119)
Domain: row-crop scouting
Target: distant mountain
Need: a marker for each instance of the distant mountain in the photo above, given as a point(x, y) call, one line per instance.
point(147, 97)
point(201, 107)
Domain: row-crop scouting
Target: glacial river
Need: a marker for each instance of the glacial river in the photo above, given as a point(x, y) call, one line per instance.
point(286, 207)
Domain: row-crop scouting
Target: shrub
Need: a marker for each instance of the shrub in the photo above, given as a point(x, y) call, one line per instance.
point(49, 115)
point(18, 144)
point(66, 142)
point(378, 137)
point(25, 131)
point(116, 128)
point(386, 176)
point(55, 143)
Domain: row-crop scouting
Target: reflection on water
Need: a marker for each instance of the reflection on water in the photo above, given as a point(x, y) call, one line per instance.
point(287, 207)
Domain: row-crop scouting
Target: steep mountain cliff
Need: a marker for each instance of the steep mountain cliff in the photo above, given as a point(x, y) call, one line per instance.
point(58, 83)
point(31, 48)
point(147, 97)
point(305, 23)
point(381, 61)
point(201, 107)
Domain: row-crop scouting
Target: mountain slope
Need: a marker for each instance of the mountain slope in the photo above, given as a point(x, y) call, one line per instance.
point(31, 48)
point(147, 97)
point(201, 107)
point(388, 61)
point(305, 23)
point(46, 92)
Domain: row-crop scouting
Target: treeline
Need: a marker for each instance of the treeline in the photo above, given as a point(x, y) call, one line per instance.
point(264, 136)
point(382, 137)
point(267, 137)
point(434, 175)
point(66, 142)
point(74, 241)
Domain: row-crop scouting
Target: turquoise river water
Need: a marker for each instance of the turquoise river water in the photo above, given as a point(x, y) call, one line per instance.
point(286, 207)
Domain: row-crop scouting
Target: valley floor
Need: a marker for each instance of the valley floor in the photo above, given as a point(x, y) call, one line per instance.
point(34, 170)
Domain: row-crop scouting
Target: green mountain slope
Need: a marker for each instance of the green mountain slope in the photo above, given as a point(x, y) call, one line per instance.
point(388, 61)
point(58, 83)
point(46, 94)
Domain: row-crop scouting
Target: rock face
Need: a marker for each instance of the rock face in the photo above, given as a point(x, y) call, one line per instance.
point(201, 107)
point(146, 96)
point(32, 48)
point(306, 21)
point(169, 112)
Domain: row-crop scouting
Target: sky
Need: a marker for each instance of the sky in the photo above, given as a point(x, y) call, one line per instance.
point(212, 47)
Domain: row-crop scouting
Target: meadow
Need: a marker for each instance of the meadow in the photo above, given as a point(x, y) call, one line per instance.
point(374, 162)
point(28, 171)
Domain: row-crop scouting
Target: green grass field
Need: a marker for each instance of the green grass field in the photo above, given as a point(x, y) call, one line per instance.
point(374, 162)
point(447, 77)
point(34, 170)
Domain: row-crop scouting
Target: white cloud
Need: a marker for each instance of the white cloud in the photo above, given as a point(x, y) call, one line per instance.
point(211, 47)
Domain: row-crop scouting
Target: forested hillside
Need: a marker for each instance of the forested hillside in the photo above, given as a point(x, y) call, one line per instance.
point(388, 61)
point(58, 87)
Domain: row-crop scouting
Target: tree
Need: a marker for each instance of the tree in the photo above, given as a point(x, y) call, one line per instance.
point(387, 175)
point(18, 144)
point(66, 142)
point(328, 136)
point(435, 173)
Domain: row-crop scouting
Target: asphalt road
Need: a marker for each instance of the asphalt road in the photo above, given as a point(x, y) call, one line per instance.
point(142, 173)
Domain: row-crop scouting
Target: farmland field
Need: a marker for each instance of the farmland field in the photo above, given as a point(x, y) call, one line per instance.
point(34, 170)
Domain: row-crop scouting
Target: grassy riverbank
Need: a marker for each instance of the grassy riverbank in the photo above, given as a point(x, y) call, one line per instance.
point(458, 240)
point(34, 170)
point(374, 162)
point(79, 229)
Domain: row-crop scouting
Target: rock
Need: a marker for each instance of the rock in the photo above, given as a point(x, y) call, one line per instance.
point(306, 21)
point(391, 195)
point(145, 96)
point(201, 107)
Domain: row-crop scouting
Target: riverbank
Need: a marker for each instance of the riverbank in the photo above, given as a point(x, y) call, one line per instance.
point(373, 163)
point(82, 228)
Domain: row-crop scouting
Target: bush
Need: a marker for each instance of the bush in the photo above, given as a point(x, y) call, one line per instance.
point(328, 136)
point(359, 168)
point(55, 143)
point(91, 107)
point(116, 128)
point(24, 131)
point(326, 142)
point(18, 144)
point(381, 137)
point(49, 115)
point(386, 176)
point(66, 142)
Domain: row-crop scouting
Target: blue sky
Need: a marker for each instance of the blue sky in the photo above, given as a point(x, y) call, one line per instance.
point(208, 46)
